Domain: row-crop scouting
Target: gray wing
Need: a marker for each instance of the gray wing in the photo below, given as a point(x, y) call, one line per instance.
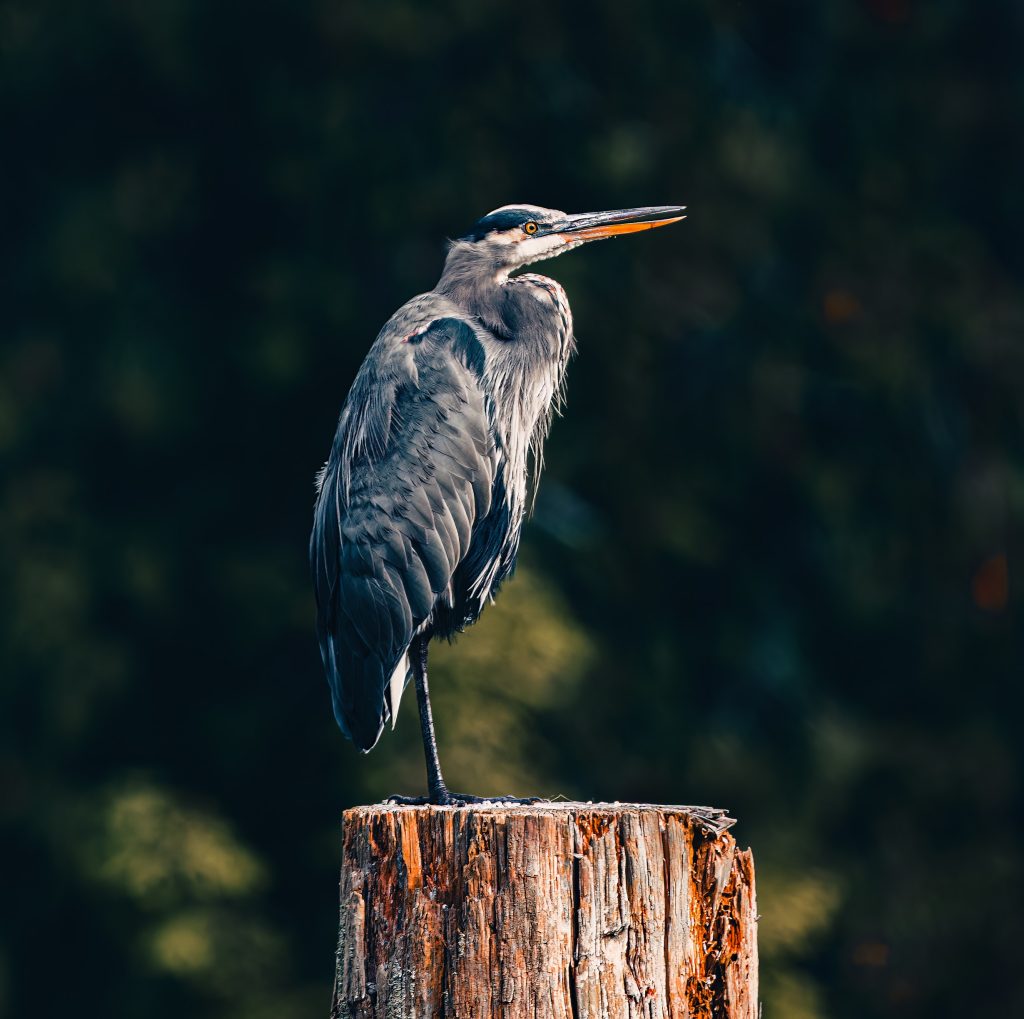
point(410, 474)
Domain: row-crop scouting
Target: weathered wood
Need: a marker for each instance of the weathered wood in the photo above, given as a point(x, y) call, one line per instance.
point(560, 911)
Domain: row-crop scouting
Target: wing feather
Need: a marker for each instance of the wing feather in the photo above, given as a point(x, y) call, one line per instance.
point(409, 475)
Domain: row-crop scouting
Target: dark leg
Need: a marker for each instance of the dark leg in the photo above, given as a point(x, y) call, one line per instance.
point(438, 791)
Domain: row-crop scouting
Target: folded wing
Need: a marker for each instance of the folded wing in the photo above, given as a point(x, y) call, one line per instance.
point(410, 475)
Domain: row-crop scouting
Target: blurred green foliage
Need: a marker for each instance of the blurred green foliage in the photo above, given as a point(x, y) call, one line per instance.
point(774, 564)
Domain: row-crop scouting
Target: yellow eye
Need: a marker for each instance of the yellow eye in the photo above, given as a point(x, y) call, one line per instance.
point(531, 227)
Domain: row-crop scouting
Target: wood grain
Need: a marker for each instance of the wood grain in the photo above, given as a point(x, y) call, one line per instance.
point(561, 911)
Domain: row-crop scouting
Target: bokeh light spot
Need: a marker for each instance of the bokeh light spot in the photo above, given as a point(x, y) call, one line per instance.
point(990, 586)
point(840, 306)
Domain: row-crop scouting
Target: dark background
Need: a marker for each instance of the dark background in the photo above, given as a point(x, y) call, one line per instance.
point(774, 565)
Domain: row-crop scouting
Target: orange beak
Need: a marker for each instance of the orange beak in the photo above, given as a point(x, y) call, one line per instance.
point(594, 226)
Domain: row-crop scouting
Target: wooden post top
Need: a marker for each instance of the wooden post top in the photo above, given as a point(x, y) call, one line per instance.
point(711, 819)
point(580, 816)
point(563, 909)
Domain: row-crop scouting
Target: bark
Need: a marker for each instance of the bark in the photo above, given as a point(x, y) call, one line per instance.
point(560, 911)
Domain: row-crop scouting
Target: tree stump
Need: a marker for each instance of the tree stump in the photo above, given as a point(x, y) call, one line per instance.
point(554, 910)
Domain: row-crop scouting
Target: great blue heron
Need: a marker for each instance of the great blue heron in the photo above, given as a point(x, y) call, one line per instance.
point(420, 506)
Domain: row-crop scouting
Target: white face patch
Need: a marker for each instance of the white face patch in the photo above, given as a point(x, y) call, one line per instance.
point(542, 246)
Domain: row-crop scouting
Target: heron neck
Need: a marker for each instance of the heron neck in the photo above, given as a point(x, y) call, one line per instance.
point(476, 284)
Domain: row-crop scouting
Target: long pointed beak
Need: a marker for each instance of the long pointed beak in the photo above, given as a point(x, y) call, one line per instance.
point(592, 226)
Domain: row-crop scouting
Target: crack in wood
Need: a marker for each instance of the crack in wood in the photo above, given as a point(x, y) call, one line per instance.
point(574, 946)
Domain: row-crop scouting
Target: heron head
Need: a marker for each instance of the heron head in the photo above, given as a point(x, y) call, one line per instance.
point(516, 235)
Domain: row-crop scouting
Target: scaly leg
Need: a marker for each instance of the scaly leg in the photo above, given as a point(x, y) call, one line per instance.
point(438, 791)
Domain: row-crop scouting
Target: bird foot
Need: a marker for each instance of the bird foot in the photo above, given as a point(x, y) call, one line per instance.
point(444, 798)
point(465, 799)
